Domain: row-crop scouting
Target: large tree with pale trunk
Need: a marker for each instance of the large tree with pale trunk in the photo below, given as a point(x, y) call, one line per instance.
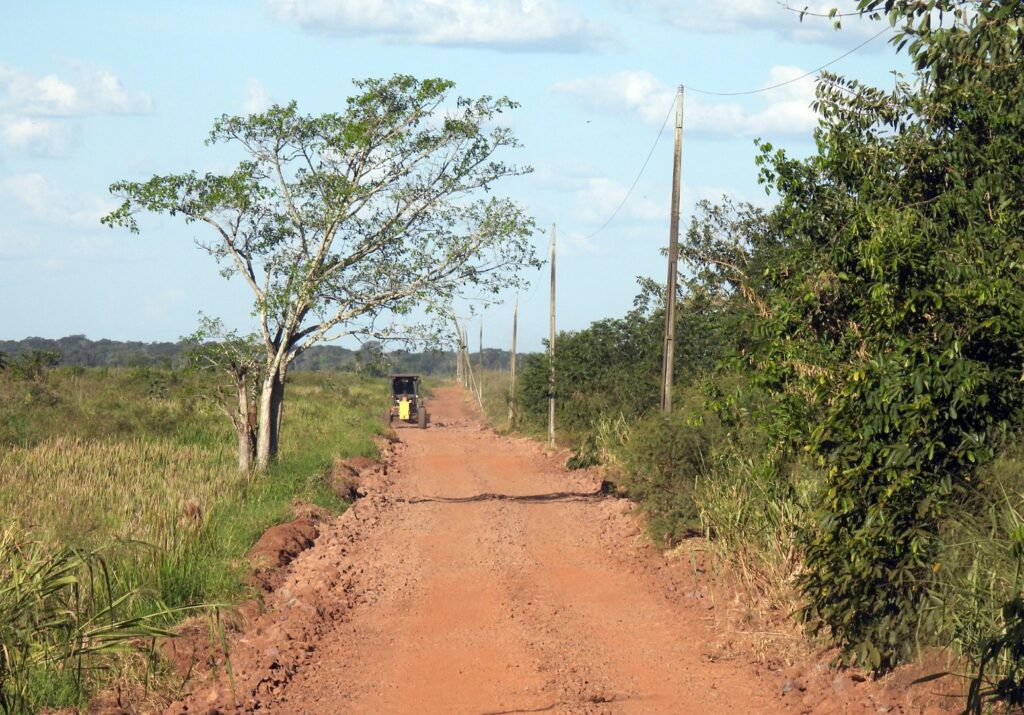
point(345, 224)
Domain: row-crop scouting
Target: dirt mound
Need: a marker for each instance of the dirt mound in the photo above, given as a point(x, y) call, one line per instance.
point(355, 477)
point(277, 548)
point(317, 592)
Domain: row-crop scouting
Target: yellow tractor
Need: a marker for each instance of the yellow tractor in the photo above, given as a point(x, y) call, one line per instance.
point(407, 405)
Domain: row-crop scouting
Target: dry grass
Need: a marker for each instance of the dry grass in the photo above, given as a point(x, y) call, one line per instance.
point(77, 491)
point(138, 467)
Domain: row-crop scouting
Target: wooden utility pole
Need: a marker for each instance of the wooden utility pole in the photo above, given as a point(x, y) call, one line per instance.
point(458, 353)
point(467, 369)
point(551, 348)
point(668, 355)
point(480, 377)
point(461, 360)
point(512, 365)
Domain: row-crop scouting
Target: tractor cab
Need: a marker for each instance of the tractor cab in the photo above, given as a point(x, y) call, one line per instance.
point(407, 405)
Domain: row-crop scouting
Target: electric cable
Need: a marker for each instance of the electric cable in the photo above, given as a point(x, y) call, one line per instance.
point(632, 186)
point(794, 79)
point(808, 13)
point(661, 129)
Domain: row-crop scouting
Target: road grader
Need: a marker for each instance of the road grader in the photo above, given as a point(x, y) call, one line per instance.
point(407, 404)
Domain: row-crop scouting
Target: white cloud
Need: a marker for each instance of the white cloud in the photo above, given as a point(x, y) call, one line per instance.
point(504, 25)
point(626, 93)
point(35, 136)
point(776, 16)
point(88, 91)
point(257, 98)
point(640, 94)
point(597, 197)
point(43, 202)
point(37, 112)
point(15, 244)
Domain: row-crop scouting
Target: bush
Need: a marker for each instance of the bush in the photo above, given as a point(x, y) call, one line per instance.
point(663, 461)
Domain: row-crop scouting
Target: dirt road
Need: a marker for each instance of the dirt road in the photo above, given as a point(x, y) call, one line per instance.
point(481, 577)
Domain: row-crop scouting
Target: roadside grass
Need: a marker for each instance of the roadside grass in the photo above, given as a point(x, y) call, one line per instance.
point(502, 412)
point(980, 565)
point(138, 469)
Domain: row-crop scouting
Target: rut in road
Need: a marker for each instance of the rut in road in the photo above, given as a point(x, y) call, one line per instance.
point(482, 578)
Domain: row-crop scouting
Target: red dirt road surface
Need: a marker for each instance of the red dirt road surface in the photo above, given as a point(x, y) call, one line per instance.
point(480, 577)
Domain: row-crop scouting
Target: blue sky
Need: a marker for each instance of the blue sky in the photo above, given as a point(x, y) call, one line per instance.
point(91, 93)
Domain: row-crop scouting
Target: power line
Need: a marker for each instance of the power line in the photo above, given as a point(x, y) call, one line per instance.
point(632, 186)
point(794, 79)
point(661, 129)
point(807, 13)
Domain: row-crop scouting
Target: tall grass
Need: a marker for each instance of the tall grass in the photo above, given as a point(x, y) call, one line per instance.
point(133, 471)
point(59, 611)
point(980, 568)
point(135, 488)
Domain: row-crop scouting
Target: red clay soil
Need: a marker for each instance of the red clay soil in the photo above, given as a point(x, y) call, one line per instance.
point(479, 576)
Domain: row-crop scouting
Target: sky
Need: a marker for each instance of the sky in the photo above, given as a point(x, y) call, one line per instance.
point(93, 93)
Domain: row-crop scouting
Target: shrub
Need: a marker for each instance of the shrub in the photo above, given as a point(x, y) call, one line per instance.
point(663, 460)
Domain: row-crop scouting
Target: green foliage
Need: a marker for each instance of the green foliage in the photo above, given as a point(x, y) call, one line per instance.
point(897, 321)
point(613, 367)
point(663, 462)
point(340, 221)
point(606, 368)
point(32, 365)
point(59, 615)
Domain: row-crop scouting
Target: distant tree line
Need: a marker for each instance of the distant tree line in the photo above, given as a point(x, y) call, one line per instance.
point(78, 350)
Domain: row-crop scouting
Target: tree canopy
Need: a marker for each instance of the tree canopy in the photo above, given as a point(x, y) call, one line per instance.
point(343, 223)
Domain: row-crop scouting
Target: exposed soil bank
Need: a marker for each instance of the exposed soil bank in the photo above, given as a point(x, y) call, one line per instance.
point(478, 576)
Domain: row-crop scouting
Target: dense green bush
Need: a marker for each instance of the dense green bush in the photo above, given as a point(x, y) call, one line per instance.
point(897, 316)
point(664, 459)
point(607, 368)
point(868, 338)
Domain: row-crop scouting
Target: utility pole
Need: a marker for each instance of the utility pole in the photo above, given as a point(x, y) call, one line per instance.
point(467, 369)
point(668, 355)
point(512, 365)
point(480, 379)
point(461, 359)
point(551, 348)
point(458, 353)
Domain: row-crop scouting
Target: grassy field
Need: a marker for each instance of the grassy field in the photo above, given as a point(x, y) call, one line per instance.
point(137, 468)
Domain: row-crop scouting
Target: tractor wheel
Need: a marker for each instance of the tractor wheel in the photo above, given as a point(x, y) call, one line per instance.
point(421, 418)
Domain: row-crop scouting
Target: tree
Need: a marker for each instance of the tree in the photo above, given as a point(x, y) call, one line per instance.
point(242, 359)
point(344, 223)
point(371, 360)
point(893, 323)
point(34, 364)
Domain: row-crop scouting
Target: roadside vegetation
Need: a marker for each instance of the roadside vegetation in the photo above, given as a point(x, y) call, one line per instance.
point(849, 388)
point(123, 507)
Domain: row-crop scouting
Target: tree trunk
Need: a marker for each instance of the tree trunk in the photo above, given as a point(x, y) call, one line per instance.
point(263, 435)
point(245, 426)
point(245, 447)
point(277, 408)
